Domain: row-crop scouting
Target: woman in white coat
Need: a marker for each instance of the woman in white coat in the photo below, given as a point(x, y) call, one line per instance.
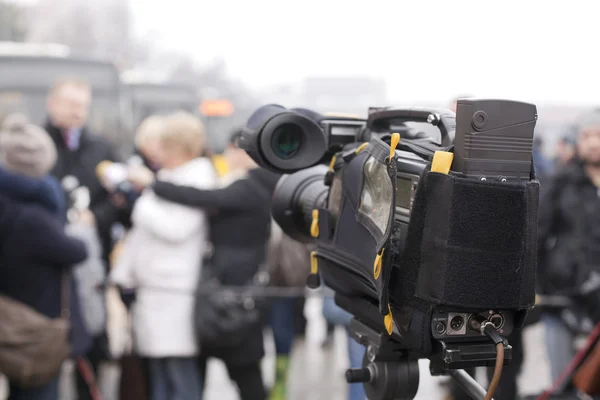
point(161, 260)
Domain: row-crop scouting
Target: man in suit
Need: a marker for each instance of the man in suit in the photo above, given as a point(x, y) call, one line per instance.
point(79, 151)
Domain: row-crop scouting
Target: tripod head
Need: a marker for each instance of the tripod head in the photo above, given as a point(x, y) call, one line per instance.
point(391, 373)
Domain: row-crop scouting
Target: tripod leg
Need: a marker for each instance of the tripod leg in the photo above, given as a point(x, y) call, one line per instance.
point(468, 384)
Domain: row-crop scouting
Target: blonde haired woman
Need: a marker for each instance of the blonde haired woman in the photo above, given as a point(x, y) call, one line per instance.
point(162, 258)
point(240, 224)
point(147, 140)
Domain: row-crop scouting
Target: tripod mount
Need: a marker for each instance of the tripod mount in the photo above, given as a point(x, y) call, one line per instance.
point(390, 372)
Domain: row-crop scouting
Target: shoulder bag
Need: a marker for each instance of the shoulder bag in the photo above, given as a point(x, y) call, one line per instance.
point(33, 346)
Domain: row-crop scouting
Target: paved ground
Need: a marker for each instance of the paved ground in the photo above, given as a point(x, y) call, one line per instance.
point(318, 374)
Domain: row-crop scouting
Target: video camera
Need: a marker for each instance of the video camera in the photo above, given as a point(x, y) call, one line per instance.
point(430, 242)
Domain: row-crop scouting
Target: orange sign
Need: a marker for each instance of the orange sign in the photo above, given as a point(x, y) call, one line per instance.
point(216, 108)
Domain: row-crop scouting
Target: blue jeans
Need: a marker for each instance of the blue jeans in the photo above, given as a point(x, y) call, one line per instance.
point(282, 324)
point(46, 392)
point(175, 378)
point(559, 344)
point(338, 316)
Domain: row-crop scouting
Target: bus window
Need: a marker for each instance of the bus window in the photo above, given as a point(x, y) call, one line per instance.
point(11, 102)
point(25, 81)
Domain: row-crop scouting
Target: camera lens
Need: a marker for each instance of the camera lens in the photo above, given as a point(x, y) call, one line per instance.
point(457, 323)
point(286, 141)
point(295, 197)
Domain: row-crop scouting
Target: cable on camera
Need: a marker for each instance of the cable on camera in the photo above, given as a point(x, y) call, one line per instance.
point(488, 329)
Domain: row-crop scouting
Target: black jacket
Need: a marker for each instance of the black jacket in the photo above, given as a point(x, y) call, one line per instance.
point(239, 231)
point(568, 231)
point(125, 213)
point(34, 254)
point(82, 163)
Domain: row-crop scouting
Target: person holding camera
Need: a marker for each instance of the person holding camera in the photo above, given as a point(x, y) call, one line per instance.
point(239, 231)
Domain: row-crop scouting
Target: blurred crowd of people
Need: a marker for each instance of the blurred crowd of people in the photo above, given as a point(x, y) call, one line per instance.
point(171, 228)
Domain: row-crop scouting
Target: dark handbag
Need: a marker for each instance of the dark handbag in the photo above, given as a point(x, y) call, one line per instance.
point(134, 383)
point(33, 346)
point(226, 315)
point(134, 378)
point(288, 259)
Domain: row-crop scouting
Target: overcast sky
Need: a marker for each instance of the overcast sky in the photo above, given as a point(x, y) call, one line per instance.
point(536, 50)
point(532, 50)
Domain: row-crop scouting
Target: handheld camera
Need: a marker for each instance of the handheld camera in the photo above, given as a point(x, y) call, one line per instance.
point(428, 241)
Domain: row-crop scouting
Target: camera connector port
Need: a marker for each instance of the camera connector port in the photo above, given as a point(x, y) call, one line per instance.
point(440, 328)
point(475, 322)
point(457, 323)
point(497, 320)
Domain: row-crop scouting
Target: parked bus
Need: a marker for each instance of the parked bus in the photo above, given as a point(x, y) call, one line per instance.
point(29, 71)
point(145, 99)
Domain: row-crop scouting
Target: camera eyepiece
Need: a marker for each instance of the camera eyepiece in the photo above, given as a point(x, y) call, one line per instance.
point(284, 140)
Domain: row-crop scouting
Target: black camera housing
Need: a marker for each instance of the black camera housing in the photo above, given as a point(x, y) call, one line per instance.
point(459, 249)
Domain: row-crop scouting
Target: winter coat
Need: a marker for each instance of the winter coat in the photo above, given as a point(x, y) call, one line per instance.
point(35, 254)
point(90, 276)
point(239, 231)
point(568, 231)
point(81, 163)
point(47, 193)
point(162, 259)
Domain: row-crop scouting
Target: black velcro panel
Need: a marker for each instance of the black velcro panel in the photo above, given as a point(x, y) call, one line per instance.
point(478, 246)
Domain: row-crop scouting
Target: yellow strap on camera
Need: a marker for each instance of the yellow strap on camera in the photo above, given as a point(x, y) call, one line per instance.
point(393, 144)
point(442, 161)
point(314, 263)
point(377, 264)
point(361, 147)
point(332, 163)
point(314, 226)
point(388, 321)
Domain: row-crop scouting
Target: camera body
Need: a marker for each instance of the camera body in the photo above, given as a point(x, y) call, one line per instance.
point(423, 256)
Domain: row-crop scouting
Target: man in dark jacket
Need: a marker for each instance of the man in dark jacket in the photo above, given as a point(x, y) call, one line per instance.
point(80, 151)
point(239, 231)
point(78, 154)
point(569, 237)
